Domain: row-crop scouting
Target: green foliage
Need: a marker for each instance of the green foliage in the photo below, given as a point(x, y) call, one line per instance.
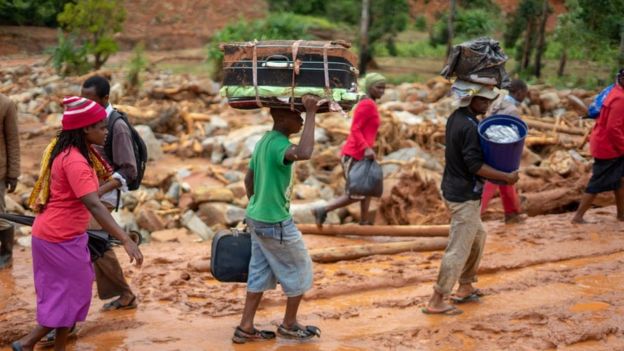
point(95, 22)
point(67, 57)
point(286, 26)
point(603, 18)
point(30, 12)
point(469, 24)
point(416, 49)
point(486, 5)
point(518, 21)
point(138, 63)
point(420, 23)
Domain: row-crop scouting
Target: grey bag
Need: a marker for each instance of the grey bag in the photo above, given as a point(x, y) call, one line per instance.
point(480, 61)
point(365, 179)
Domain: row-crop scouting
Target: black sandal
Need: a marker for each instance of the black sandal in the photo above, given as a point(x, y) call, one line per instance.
point(296, 332)
point(50, 338)
point(116, 305)
point(241, 336)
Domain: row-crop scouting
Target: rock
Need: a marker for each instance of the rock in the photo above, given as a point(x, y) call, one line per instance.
point(25, 241)
point(409, 154)
point(529, 158)
point(549, 101)
point(577, 104)
point(125, 219)
point(186, 201)
point(12, 206)
point(234, 176)
point(408, 118)
point(438, 91)
point(170, 235)
point(148, 219)
point(154, 150)
point(200, 265)
point(212, 194)
point(562, 163)
point(174, 191)
point(320, 135)
point(193, 223)
point(220, 214)
point(302, 212)
point(536, 111)
point(238, 189)
point(25, 230)
point(248, 136)
point(306, 192)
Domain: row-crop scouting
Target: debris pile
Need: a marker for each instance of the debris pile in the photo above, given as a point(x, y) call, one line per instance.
point(200, 148)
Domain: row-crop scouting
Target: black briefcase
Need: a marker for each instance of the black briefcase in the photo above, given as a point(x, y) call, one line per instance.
point(231, 253)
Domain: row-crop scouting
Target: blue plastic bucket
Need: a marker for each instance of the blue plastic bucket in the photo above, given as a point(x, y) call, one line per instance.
point(504, 157)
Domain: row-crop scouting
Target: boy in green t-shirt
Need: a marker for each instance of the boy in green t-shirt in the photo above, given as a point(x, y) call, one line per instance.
point(278, 252)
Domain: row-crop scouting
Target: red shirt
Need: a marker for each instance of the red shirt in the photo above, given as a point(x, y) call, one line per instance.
point(65, 216)
point(607, 138)
point(363, 129)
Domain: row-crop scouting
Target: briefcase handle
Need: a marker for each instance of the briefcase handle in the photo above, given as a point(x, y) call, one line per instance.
point(278, 61)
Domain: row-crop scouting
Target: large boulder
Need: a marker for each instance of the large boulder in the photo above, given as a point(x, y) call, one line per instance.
point(212, 194)
point(150, 220)
point(193, 223)
point(154, 151)
point(220, 214)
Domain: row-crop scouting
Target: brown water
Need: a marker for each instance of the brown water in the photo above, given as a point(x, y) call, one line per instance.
point(550, 285)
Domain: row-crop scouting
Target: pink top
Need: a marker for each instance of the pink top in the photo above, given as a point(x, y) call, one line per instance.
point(65, 216)
point(607, 138)
point(363, 129)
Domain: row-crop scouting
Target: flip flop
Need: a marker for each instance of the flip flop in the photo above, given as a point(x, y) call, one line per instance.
point(16, 346)
point(116, 305)
point(449, 311)
point(241, 336)
point(469, 298)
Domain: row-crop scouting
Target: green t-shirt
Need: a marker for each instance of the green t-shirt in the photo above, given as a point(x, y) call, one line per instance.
point(272, 179)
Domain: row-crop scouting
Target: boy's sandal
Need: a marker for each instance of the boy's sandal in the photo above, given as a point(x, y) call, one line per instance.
point(116, 305)
point(241, 336)
point(449, 311)
point(50, 338)
point(297, 332)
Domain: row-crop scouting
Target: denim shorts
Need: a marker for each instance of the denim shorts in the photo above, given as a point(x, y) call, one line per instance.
point(278, 253)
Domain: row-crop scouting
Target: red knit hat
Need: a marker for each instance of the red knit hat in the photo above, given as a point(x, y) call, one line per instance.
point(81, 112)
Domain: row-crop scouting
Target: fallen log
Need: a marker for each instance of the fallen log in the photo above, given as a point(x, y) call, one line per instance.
point(353, 252)
point(551, 126)
point(376, 230)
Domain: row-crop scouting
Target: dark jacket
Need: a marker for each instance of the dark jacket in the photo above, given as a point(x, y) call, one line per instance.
point(463, 157)
point(9, 140)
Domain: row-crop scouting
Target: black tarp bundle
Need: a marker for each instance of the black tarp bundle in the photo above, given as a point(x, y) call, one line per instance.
point(480, 61)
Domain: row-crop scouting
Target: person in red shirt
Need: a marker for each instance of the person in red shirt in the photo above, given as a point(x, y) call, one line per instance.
point(359, 145)
point(607, 147)
point(64, 198)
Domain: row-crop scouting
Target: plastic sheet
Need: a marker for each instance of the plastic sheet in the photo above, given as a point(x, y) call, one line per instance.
point(503, 134)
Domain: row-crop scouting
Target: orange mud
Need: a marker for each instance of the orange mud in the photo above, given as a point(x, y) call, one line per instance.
point(550, 285)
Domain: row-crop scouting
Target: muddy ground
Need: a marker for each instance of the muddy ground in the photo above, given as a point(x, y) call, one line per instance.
point(549, 284)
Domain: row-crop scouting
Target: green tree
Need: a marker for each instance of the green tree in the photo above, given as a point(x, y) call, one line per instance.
point(31, 12)
point(523, 30)
point(568, 34)
point(95, 22)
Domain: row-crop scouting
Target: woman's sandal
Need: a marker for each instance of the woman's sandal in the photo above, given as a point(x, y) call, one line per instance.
point(50, 338)
point(116, 305)
point(16, 346)
point(299, 333)
point(241, 336)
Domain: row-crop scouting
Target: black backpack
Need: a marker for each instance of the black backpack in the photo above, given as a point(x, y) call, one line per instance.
point(140, 150)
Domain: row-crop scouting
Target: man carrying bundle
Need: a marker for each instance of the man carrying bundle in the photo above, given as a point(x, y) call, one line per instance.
point(278, 252)
point(462, 185)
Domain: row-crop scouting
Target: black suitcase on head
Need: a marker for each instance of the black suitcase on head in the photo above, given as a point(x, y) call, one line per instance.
point(231, 253)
